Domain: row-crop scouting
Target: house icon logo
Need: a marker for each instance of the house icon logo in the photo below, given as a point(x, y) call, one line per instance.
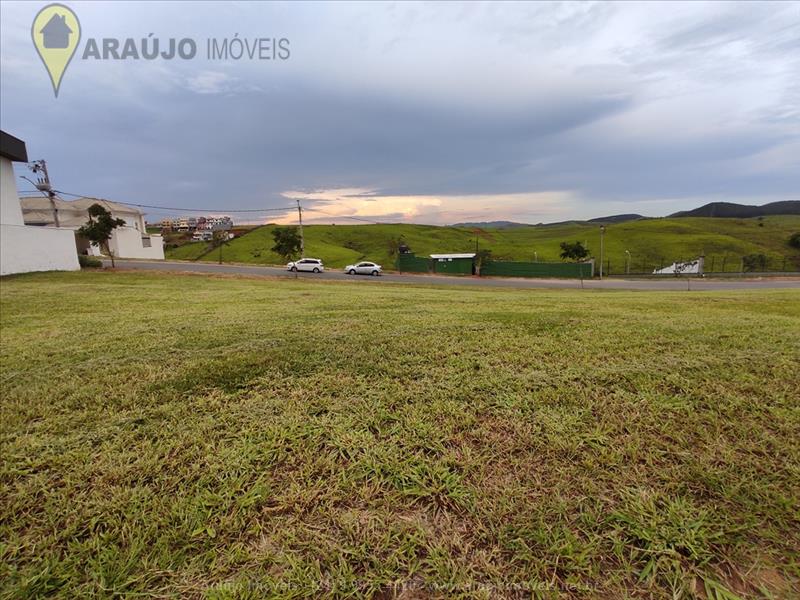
point(56, 33)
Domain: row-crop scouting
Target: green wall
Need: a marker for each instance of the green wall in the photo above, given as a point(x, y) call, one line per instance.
point(455, 266)
point(409, 263)
point(538, 269)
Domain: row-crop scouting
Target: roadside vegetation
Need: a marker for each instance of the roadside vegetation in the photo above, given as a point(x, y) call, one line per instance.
point(185, 436)
point(89, 262)
point(652, 243)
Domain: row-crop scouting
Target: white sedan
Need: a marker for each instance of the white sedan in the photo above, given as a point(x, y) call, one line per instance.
point(363, 268)
point(313, 265)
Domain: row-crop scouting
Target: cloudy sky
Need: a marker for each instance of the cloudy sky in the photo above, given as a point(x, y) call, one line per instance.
point(428, 113)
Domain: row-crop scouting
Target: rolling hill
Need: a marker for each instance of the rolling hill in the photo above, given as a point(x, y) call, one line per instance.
point(492, 224)
point(617, 218)
point(742, 211)
point(651, 242)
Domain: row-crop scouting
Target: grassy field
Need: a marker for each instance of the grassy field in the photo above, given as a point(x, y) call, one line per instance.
point(651, 242)
point(186, 436)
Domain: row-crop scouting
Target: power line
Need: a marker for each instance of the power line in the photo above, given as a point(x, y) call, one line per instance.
point(346, 217)
point(168, 209)
point(247, 210)
point(242, 210)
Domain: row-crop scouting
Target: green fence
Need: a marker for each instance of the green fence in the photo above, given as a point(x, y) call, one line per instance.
point(409, 263)
point(538, 269)
point(452, 266)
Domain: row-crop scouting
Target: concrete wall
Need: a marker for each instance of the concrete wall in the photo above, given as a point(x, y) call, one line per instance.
point(10, 210)
point(135, 221)
point(126, 242)
point(25, 248)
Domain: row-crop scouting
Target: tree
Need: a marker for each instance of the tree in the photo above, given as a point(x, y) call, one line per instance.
point(218, 239)
point(573, 251)
point(397, 246)
point(754, 262)
point(794, 240)
point(393, 246)
point(483, 256)
point(99, 228)
point(287, 242)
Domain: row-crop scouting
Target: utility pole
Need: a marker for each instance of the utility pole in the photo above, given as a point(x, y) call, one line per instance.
point(602, 235)
point(476, 262)
point(43, 185)
point(302, 239)
point(627, 262)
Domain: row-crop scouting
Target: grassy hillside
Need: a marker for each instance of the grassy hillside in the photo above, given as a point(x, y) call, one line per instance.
point(233, 438)
point(742, 211)
point(650, 241)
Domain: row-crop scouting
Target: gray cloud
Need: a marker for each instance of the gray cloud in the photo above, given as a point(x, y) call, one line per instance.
point(613, 103)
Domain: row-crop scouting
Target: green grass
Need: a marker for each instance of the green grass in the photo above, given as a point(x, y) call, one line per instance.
point(651, 242)
point(189, 251)
point(185, 436)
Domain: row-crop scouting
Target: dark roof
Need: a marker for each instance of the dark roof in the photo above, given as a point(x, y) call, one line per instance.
point(12, 148)
point(56, 24)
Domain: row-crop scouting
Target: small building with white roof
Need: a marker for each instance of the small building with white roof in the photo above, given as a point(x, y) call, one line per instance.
point(462, 263)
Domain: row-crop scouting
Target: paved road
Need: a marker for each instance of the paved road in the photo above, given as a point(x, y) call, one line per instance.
point(617, 284)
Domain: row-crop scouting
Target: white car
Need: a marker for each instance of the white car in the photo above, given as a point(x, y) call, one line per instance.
point(314, 265)
point(363, 268)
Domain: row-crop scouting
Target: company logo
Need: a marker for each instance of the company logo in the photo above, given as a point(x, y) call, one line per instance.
point(56, 32)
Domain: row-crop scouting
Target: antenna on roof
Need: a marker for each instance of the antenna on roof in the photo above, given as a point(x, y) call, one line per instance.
point(42, 184)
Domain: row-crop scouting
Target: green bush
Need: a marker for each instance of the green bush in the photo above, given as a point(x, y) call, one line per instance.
point(794, 241)
point(754, 262)
point(89, 262)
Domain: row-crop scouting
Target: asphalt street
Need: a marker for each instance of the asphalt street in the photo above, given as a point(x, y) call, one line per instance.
point(671, 283)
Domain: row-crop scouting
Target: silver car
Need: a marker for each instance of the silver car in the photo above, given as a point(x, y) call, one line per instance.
point(314, 265)
point(363, 268)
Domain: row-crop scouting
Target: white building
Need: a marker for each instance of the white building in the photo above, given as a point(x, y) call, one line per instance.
point(218, 223)
point(185, 224)
point(129, 241)
point(203, 235)
point(23, 248)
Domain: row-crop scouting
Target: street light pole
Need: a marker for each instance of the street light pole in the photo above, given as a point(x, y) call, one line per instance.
point(602, 235)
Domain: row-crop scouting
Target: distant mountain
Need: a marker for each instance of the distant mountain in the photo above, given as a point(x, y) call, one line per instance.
point(727, 210)
point(493, 224)
point(617, 218)
point(742, 211)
